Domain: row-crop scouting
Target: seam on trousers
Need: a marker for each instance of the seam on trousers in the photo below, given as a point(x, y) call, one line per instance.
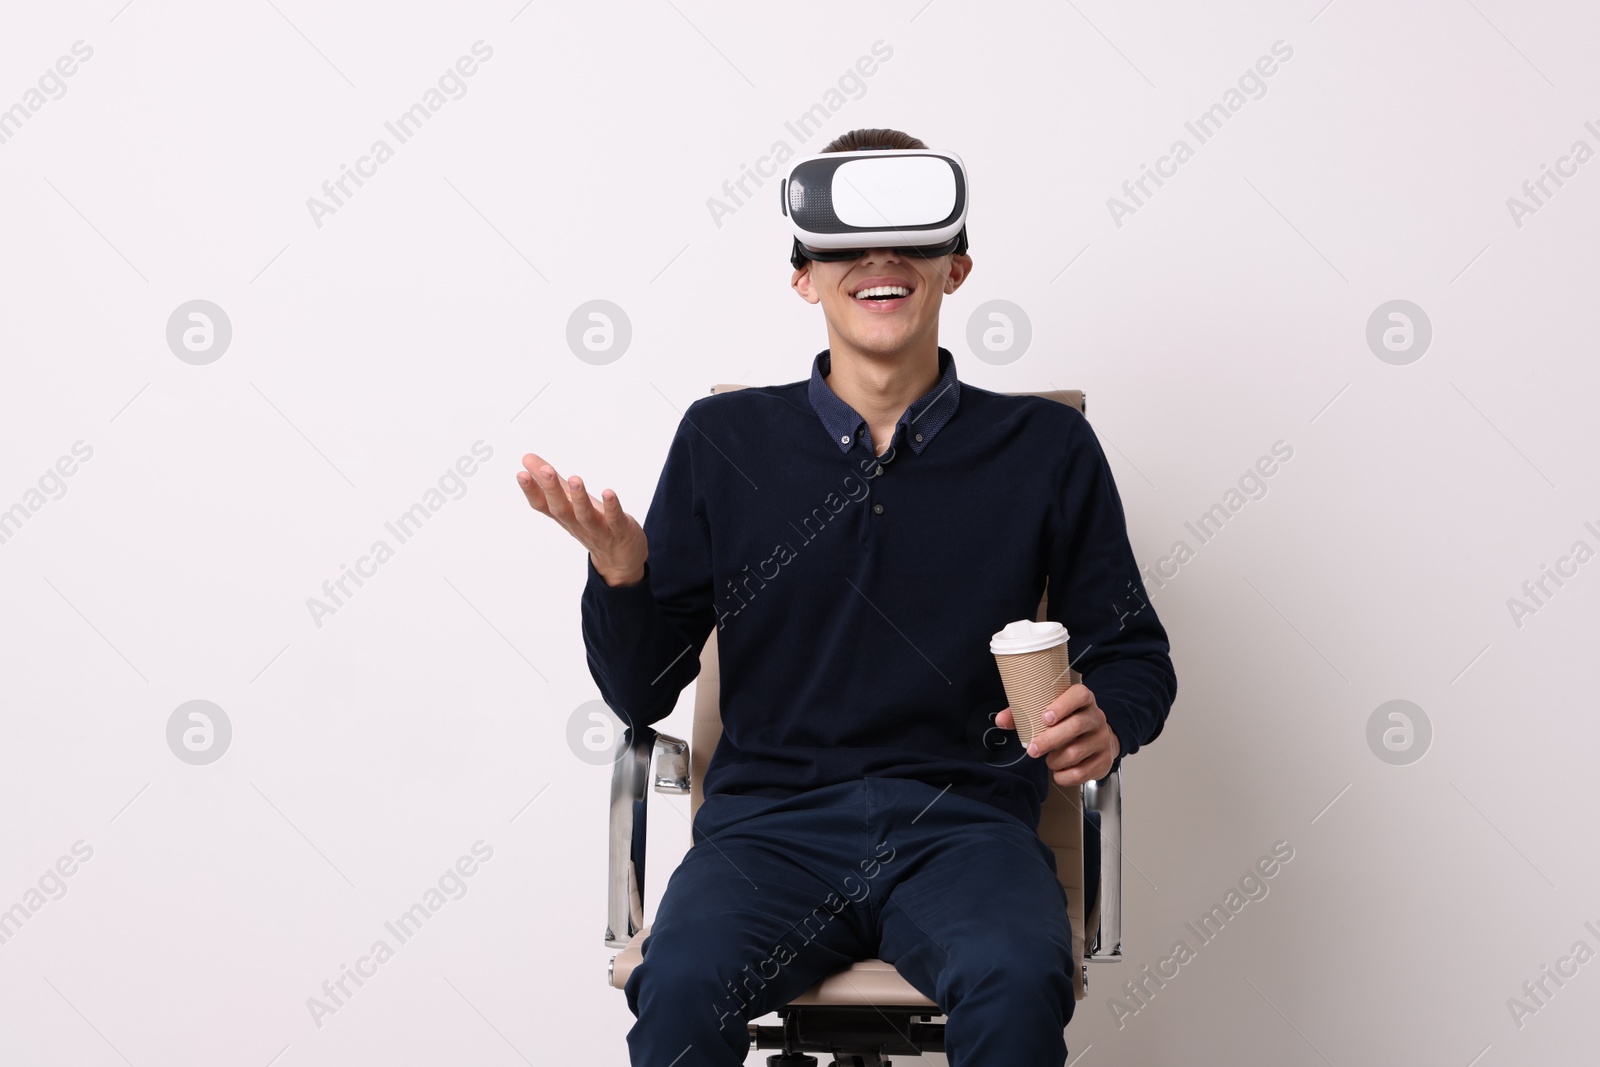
point(932, 941)
point(874, 911)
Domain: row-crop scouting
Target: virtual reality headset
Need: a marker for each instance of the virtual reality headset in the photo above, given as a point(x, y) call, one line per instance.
point(843, 203)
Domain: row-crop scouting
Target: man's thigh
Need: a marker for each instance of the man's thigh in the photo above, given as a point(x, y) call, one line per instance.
point(976, 903)
point(761, 907)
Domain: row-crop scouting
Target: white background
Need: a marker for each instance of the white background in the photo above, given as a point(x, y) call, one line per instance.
point(429, 312)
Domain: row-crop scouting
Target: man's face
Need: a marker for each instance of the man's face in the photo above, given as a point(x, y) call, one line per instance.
point(883, 323)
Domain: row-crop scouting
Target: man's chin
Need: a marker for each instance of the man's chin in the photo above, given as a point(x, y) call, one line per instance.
point(881, 338)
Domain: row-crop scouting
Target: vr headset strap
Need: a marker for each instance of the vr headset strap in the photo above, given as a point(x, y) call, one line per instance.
point(798, 257)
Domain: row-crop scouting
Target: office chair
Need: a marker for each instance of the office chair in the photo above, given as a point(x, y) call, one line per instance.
point(866, 1012)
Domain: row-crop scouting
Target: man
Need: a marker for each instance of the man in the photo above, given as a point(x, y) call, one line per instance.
point(856, 538)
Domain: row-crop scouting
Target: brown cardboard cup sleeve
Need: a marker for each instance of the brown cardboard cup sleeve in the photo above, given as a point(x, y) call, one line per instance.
point(1032, 657)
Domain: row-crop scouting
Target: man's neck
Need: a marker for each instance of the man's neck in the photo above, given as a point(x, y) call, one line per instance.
point(881, 387)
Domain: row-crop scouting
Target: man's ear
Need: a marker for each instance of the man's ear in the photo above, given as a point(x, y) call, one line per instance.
point(801, 283)
point(960, 267)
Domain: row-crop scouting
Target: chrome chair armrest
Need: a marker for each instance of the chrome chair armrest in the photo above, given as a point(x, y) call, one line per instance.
point(630, 781)
point(672, 765)
point(1103, 938)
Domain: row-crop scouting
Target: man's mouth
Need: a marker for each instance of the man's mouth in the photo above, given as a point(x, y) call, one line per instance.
point(880, 293)
point(881, 299)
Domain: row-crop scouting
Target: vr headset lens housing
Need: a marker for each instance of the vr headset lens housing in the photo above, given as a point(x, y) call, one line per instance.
point(842, 203)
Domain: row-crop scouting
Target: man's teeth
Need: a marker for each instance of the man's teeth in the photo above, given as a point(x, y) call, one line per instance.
point(882, 291)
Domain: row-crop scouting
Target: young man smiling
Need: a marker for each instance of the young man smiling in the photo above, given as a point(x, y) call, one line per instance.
point(858, 692)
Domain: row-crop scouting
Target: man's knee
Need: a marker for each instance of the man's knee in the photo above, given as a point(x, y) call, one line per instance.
point(1015, 962)
point(679, 1006)
point(695, 985)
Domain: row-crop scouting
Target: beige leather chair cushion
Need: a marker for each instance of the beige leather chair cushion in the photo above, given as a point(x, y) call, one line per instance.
point(869, 983)
point(874, 982)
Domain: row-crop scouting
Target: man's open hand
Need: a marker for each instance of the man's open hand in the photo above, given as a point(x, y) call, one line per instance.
point(615, 541)
point(1077, 743)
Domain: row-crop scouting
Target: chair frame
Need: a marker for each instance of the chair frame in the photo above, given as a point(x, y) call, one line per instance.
point(852, 1034)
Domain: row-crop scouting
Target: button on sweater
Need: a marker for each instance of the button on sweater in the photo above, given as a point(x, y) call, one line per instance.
point(854, 594)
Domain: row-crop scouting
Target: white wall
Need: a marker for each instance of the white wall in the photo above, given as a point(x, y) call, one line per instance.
point(429, 312)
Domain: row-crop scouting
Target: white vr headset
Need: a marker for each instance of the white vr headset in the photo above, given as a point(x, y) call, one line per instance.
point(843, 203)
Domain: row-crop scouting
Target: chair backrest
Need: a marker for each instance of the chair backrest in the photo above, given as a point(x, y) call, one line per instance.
point(1060, 819)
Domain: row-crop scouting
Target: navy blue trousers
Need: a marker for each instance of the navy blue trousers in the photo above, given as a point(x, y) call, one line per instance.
point(960, 896)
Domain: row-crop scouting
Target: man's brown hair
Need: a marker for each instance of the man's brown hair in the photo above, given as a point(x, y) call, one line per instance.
point(860, 140)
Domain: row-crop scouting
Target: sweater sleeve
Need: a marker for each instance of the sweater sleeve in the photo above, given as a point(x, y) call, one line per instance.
point(643, 641)
point(1115, 640)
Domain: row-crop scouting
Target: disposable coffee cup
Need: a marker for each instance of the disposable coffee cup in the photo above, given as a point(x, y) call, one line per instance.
point(1032, 657)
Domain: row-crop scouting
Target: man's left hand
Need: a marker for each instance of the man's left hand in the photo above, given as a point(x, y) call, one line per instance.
point(1077, 743)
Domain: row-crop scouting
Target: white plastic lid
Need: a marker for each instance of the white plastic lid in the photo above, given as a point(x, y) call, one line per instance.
point(1025, 635)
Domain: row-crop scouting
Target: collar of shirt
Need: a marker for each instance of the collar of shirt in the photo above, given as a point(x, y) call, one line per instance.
point(923, 419)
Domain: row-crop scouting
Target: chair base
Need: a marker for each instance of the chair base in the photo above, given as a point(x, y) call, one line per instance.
point(853, 1036)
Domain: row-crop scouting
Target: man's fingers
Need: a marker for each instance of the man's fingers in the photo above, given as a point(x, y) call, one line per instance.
point(542, 491)
point(534, 466)
point(1063, 733)
point(549, 493)
point(1068, 701)
point(1082, 761)
point(1073, 753)
point(555, 493)
point(611, 506)
point(583, 509)
point(1088, 770)
point(534, 490)
point(1005, 720)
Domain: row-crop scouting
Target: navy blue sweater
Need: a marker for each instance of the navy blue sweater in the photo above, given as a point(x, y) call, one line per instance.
point(854, 595)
